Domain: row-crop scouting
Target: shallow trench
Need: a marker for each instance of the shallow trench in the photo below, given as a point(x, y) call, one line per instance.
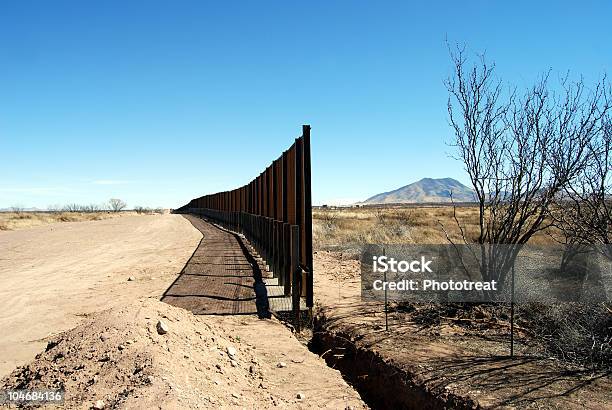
point(381, 384)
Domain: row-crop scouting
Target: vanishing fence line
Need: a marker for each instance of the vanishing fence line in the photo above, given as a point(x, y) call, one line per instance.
point(274, 212)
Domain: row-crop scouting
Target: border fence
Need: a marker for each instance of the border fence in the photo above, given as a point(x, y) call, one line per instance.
point(274, 213)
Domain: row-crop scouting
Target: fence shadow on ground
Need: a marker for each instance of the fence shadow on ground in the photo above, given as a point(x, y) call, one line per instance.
point(221, 276)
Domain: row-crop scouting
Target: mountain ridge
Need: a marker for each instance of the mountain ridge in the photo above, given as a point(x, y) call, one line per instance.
point(425, 190)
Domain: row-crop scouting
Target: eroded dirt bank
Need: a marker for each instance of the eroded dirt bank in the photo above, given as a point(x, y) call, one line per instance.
point(413, 367)
point(383, 383)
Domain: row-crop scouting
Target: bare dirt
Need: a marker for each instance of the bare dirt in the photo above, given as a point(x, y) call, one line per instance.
point(53, 276)
point(411, 366)
point(73, 319)
point(119, 357)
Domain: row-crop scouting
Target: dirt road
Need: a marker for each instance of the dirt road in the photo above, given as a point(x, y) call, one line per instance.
point(53, 276)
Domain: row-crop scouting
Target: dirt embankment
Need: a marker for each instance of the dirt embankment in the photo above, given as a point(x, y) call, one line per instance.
point(120, 358)
point(411, 366)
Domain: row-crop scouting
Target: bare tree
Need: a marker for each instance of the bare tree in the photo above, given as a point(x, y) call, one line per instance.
point(519, 151)
point(73, 207)
point(329, 219)
point(18, 209)
point(144, 210)
point(117, 205)
point(91, 208)
point(584, 213)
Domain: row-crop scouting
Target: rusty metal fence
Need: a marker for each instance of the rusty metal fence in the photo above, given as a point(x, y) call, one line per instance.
point(274, 213)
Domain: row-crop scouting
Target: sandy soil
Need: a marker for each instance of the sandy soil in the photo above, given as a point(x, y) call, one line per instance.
point(120, 359)
point(59, 276)
point(53, 276)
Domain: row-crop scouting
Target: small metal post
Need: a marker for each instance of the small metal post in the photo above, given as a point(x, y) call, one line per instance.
point(386, 302)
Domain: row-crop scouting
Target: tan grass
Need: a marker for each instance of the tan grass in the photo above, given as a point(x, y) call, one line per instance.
point(10, 221)
point(412, 224)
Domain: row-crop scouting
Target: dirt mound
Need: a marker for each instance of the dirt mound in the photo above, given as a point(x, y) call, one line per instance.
point(121, 358)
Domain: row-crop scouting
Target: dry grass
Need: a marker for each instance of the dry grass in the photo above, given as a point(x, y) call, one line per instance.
point(575, 334)
point(10, 221)
point(394, 225)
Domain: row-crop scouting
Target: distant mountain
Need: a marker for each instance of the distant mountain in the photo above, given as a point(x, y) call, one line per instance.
point(426, 190)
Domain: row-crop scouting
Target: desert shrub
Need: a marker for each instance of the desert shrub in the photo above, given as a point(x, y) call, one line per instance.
point(140, 209)
point(573, 332)
point(381, 217)
point(3, 226)
point(18, 209)
point(91, 208)
point(391, 226)
point(147, 211)
point(420, 217)
point(406, 217)
point(66, 217)
point(329, 220)
point(72, 208)
point(468, 315)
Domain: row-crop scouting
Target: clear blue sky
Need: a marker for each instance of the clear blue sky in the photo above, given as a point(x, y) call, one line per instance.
point(160, 102)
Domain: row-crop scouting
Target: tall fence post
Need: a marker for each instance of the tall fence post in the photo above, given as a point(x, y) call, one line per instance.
point(286, 274)
point(308, 217)
point(295, 275)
